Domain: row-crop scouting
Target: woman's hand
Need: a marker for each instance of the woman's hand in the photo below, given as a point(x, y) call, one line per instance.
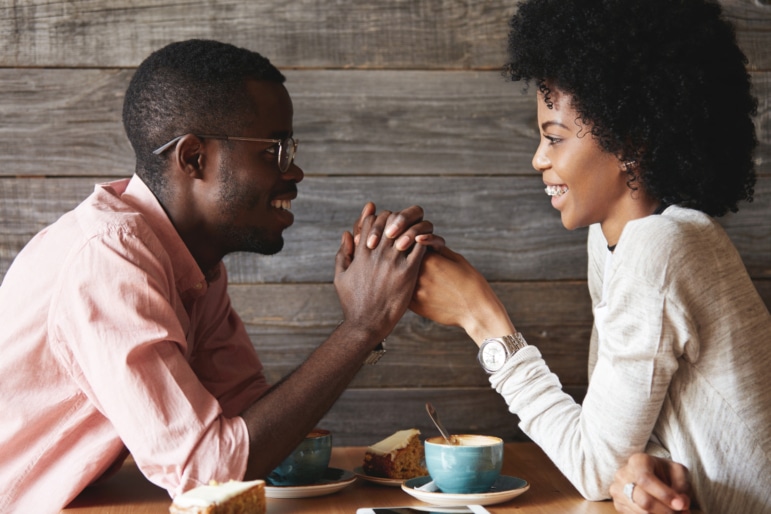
point(661, 486)
point(405, 228)
point(451, 291)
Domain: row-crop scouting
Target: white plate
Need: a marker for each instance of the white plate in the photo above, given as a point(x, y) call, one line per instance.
point(333, 480)
point(391, 482)
point(504, 489)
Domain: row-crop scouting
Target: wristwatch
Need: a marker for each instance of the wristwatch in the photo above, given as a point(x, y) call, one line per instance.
point(495, 351)
point(375, 354)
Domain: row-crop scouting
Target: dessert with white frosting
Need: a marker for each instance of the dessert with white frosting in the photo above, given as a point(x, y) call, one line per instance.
point(398, 456)
point(231, 497)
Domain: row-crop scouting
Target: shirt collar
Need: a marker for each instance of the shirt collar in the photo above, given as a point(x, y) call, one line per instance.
point(189, 278)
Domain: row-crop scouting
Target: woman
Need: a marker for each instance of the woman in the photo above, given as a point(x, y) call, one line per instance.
point(645, 115)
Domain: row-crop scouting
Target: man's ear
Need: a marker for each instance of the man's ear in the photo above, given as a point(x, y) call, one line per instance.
point(190, 156)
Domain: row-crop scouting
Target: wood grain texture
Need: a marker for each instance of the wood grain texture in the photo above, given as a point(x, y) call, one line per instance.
point(304, 33)
point(398, 34)
point(66, 122)
point(555, 316)
point(364, 416)
point(504, 225)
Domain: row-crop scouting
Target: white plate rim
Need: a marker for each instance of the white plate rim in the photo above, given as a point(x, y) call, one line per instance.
point(391, 482)
point(459, 500)
point(309, 491)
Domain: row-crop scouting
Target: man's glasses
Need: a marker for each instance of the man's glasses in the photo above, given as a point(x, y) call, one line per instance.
point(285, 148)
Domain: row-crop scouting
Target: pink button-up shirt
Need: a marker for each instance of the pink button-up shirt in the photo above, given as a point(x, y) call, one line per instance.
point(111, 338)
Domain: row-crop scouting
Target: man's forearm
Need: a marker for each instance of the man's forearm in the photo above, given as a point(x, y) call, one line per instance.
point(280, 420)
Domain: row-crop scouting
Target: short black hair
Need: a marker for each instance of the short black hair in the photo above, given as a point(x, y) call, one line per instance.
point(662, 82)
point(194, 86)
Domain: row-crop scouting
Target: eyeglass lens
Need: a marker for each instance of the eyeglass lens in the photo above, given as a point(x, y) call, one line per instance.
point(286, 152)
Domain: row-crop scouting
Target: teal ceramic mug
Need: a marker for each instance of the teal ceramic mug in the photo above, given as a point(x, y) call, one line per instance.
point(471, 466)
point(307, 463)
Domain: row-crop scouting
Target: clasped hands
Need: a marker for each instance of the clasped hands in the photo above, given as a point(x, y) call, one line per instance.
point(377, 265)
point(386, 257)
point(661, 486)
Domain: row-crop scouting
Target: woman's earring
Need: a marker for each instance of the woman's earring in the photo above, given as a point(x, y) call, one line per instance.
point(628, 165)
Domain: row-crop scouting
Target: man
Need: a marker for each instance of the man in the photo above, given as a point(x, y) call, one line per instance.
point(126, 341)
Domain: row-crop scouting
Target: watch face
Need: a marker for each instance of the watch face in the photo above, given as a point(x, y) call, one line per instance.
point(494, 355)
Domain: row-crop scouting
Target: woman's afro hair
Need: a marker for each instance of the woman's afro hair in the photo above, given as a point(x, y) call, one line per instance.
point(661, 82)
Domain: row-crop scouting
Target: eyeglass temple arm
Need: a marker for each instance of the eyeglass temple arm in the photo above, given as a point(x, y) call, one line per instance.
point(161, 149)
point(174, 141)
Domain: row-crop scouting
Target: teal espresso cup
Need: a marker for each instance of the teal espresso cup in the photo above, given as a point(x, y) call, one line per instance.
point(471, 466)
point(307, 463)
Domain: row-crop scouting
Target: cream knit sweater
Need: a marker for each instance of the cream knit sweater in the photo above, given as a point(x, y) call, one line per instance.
point(680, 366)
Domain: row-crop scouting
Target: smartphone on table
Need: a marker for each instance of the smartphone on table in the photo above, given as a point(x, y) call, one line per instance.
point(422, 510)
point(388, 510)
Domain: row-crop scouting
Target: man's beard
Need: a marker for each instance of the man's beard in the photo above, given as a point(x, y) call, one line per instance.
point(233, 200)
point(246, 240)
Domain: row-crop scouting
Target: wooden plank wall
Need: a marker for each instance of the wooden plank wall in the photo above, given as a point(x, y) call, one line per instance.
point(396, 101)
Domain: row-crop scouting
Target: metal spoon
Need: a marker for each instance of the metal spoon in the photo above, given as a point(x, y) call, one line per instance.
point(435, 418)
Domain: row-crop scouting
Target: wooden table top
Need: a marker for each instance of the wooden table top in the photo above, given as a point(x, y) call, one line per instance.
point(129, 492)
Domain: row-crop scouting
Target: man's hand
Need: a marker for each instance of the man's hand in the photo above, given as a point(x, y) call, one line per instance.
point(661, 486)
point(375, 283)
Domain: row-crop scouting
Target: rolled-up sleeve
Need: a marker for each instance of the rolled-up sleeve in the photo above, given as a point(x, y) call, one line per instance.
point(224, 358)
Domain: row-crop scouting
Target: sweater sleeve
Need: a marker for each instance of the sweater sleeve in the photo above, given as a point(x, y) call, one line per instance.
point(638, 328)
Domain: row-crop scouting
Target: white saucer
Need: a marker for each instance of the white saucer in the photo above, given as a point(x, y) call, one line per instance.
point(391, 482)
point(504, 489)
point(333, 480)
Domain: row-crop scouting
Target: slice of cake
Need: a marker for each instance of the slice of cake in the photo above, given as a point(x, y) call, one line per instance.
point(227, 498)
point(398, 456)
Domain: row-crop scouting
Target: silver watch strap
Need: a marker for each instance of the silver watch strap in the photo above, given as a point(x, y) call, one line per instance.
point(515, 342)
